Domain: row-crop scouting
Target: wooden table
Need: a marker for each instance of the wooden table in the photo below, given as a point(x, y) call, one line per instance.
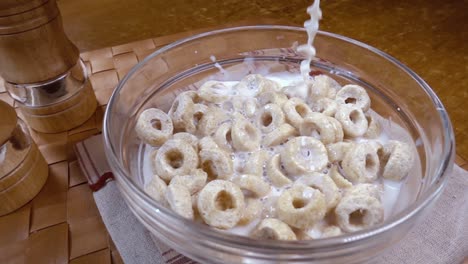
point(62, 224)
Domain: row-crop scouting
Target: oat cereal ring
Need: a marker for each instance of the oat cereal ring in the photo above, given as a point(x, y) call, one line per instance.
point(304, 154)
point(323, 87)
point(154, 127)
point(273, 229)
point(323, 183)
point(361, 163)
point(325, 106)
point(352, 119)
point(181, 109)
point(152, 159)
point(318, 126)
point(156, 189)
point(397, 160)
point(216, 163)
point(270, 117)
point(339, 180)
point(214, 92)
point(175, 157)
point(245, 105)
point(253, 84)
point(271, 97)
point(221, 204)
point(353, 95)
point(210, 121)
point(253, 209)
point(366, 189)
point(337, 151)
point(223, 137)
point(253, 184)
point(274, 173)
point(255, 163)
point(331, 231)
point(207, 143)
point(295, 111)
point(374, 129)
point(357, 212)
point(301, 206)
point(187, 137)
point(192, 121)
point(194, 181)
point(339, 134)
point(245, 136)
point(180, 201)
point(278, 136)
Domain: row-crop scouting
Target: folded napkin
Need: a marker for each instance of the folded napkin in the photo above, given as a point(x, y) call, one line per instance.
point(442, 237)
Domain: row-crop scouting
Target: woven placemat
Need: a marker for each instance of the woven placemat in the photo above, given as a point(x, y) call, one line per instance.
point(62, 223)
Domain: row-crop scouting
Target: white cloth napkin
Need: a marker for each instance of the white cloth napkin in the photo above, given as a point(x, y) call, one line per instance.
point(441, 238)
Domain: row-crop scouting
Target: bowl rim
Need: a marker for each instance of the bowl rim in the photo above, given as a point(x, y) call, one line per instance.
point(442, 170)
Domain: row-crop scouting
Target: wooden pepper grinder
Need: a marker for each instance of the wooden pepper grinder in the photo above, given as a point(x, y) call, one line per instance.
point(42, 68)
point(23, 170)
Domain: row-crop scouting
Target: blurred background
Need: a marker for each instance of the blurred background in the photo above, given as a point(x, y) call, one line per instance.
point(430, 36)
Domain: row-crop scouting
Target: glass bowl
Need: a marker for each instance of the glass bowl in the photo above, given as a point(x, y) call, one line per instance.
point(397, 93)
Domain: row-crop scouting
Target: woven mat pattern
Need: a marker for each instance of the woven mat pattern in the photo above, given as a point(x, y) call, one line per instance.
point(62, 223)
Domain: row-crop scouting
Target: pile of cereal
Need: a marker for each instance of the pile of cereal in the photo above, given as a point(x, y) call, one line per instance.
point(286, 163)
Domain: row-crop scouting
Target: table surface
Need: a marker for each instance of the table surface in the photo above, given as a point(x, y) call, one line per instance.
point(62, 224)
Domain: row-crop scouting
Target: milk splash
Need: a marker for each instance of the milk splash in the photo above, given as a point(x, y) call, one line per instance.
point(311, 27)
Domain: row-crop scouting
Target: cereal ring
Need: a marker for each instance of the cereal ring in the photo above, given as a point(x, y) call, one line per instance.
point(278, 136)
point(352, 119)
point(339, 134)
point(152, 159)
point(331, 231)
point(325, 106)
point(304, 154)
point(273, 229)
point(253, 84)
point(178, 197)
point(154, 127)
point(323, 183)
point(221, 204)
point(271, 97)
point(207, 143)
point(357, 212)
point(353, 95)
point(182, 109)
point(322, 87)
point(255, 163)
point(274, 173)
point(187, 137)
point(210, 121)
point(191, 124)
point(156, 189)
point(175, 157)
point(337, 151)
point(361, 163)
point(366, 189)
point(253, 184)
point(374, 129)
point(216, 163)
point(339, 180)
point(270, 117)
point(300, 90)
point(223, 137)
point(194, 181)
point(245, 105)
point(397, 159)
point(214, 92)
point(245, 136)
point(253, 209)
point(296, 110)
point(318, 126)
point(301, 206)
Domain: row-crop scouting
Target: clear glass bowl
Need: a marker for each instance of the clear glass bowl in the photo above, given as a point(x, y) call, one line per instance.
point(397, 94)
